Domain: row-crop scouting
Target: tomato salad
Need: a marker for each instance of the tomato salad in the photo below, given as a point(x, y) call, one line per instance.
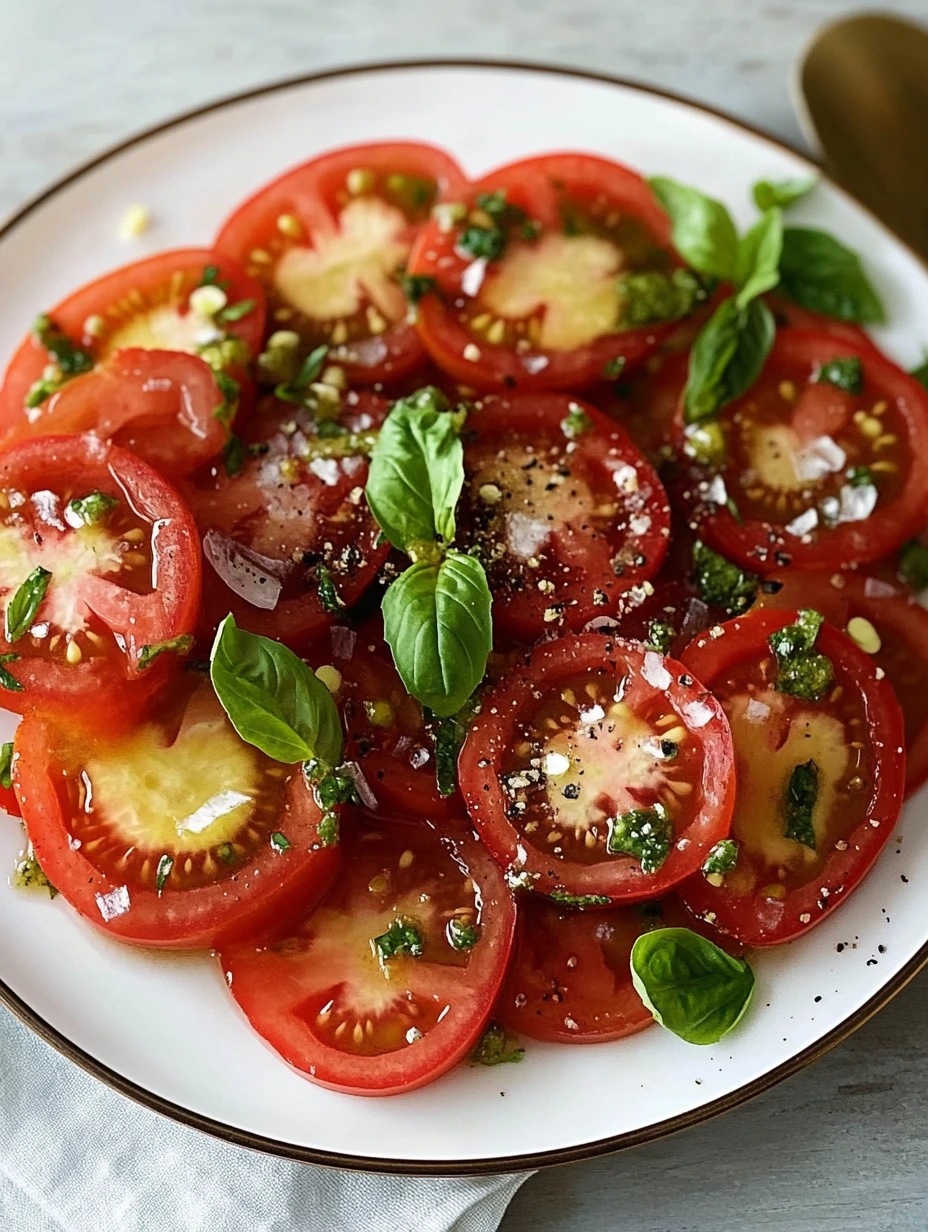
point(474, 610)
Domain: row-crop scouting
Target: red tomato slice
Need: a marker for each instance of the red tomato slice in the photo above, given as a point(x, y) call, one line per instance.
point(352, 1018)
point(544, 315)
point(178, 835)
point(146, 304)
point(129, 580)
point(782, 886)
point(790, 315)
point(819, 477)
point(160, 404)
point(385, 732)
point(289, 539)
point(901, 646)
point(586, 737)
point(646, 404)
point(570, 980)
point(566, 513)
point(329, 241)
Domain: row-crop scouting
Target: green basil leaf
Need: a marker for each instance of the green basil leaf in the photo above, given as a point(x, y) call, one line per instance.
point(22, 608)
point(703, 232)
point(437, 623)
point(759, 257)
point(690, 985)
point(416, 471)
point(6, 764)
point(273, 700)
point(181, 645)
point(727, 357)
point(818, 272)
point(782, 193)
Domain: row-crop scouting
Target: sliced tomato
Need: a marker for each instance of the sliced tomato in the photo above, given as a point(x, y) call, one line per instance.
point(177, 835)
point(329, 241)
point(113, 584)
point(160, 404)
point(386, 733)
point(897, 639)
point(546, 312)
point(143, 305)
point(789, 315)
point(812, 475)
point(645, 404)
point(350, 1006)
point(288, 538)
point(592, 738)
point(852, 744)
point(564, 510)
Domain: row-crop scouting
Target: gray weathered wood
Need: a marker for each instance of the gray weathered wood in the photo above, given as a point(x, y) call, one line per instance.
point(841, 1146)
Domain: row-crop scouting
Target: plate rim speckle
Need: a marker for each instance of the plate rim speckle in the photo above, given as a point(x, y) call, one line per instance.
point(482, 1166)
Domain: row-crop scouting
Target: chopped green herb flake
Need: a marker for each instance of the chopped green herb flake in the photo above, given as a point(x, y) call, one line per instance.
point(486, 242)
point(799, 804)
point(29, 875)
point(329, 787)
point(722, 858)
point(651, 296)
point(230, 389)
point(210, 278)
point(179, 645)
point(70, 358)
point(722, 584)
point(462, 936)
point(913, 564)
point(496, 1047)
point(6, 764)
point(801, 670)
point(308, 372)
point(646, 833)
point(22, 608)
point(328, 830)
point(163, 871)
point(226, 853)
point(93, 508)
point(846, 374)
point(579, 900)
point(7, 679)
point(235, 312)
point(614, 368)
point(234, 455)
point(416, 286)
point(280, 842)
point(575, 423)
point(402, 937)
point(328, 595)
point(660, 636)
point(861, 477)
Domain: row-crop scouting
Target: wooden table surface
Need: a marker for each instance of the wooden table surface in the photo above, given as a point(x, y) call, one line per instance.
point(844, 1144)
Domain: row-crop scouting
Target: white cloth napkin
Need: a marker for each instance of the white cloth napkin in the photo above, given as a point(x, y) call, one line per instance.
point(76, 1156)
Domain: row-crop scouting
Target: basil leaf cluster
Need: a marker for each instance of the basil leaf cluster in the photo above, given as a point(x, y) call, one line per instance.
point(437, 613)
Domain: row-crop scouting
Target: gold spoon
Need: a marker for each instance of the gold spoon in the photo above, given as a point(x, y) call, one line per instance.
point(862, 97)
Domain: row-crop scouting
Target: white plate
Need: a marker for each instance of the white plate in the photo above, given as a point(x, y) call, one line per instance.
point(163, 1029)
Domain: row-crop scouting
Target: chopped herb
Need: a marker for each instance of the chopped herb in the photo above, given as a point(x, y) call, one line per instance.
point(913, 564)
point(93, 508)
point(22, 609)
point(416, 286)
point(224, 354)
point(448, 737)
point(402, 937)
point(722, 584)
point(71, 359)
point(486, 242)
point(328, 830)
point(489, 241)
point(846, 374)
point(328, 595)
point(226, 853)
point(280, 842)
point(799, 804)
point(579, 900)
point(575, 423)
point(861, 477)
point(308, 372)
point(181, 645)
point(660, 636)
point(462, 936)
point(614, 368)
point(646, 833)
point(210, 278)
point(652, 296)
point(7, 679)
point(234, 312)
point(29, 875)
point(329, 787)
point(412, 193)
point(230, 389)
point(333, 441)
point(722, 858)
point(6, 765)
point(801, 670)
point(234, 455)
point(163, 871)
point(496, 1047)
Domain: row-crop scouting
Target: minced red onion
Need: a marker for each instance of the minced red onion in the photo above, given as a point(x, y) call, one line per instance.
point(343, 641)
point(695, 621)
point(362, 786)
point(255, 578)
point(876, 588)
point(600, 622)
